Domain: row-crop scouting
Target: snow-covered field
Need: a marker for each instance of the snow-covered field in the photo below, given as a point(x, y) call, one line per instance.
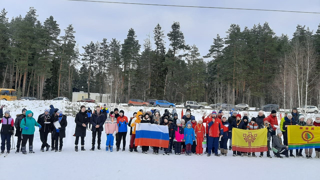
point(72, 165)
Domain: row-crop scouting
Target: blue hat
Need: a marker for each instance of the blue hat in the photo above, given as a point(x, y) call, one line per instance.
point(214, 112)
point(220, 111)
point(189, 122)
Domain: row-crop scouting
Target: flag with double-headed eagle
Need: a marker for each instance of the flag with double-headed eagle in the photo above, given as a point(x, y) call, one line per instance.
point(249, 140)
point(302, 137)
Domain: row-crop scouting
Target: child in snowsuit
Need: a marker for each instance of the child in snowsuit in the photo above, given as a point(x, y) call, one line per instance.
point(111, 128)
point(200, 132)
point(224, 139)
point(309, 150)
point(252, 126)
point(179, 136)
point(189, 137)
point(183, 125)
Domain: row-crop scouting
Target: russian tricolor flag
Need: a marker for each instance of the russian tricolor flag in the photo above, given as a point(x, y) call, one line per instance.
point(152, 135)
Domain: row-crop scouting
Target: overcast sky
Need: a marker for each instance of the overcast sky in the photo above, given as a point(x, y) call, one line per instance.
point(95, 21)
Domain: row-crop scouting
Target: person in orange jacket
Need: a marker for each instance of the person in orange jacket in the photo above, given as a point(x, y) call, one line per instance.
point(134, 122)
point(200, 132)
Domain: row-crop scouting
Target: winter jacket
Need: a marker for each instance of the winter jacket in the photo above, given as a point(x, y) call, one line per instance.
point(89, 113)
point(46, 122)
point(17, 124)
point(7, 125)
point(277, 143)
point(129, 124)
point(116, 116)
point(52, 110)
point(122, 123)
point(281, 124)
point(194, 124)
point(207, 121)
point(272, 120)
point(105, 111)
point(301, 123)
point(110, 126)
point(243, 125)
point(253, 126)
point(225, 129)
point(200, 130)
point(232, 120)
point(179, 133)
point(189, 136)
point(171, 128)
point(157, 119)
point(295, 116)
point(81, 118)
point(97, 119)
point(316, 123)
point(1, 112)
point(29, 122)
point(62, 119)
point(215, 128)
point(259, 121)
point(135, 121)
point(287, 123)
point(186, 119)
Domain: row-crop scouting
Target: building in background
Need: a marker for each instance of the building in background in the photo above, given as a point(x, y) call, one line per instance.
point(99, 98)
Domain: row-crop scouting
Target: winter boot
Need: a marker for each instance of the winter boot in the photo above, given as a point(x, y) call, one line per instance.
point(107, 148)
point(92, 149)
point(317, 154)
point(76, 148)
point(23, 150)
point(123, 149)
point(31, 149)
point(2, 152)
point(48, 147)
point(254, 155)
point(82, 148)
point(111, 148)
point(118, 148)
point(130, 149)
point(135, 149)
point(99, 147)
point(17, 151)
point(225, 152)
point(42, 149)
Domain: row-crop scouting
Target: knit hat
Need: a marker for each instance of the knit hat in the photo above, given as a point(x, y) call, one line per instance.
point(24, 109)
point(47, 110)
point(189, 122)
point(7, 112)
point(88, 108)
point(238, 115)
point(214, 112)
point(189, 110)
point(170, 119)
point(245, 117)
point(253, 119)
point(105, 105)
point(273, 111)
point(234, 112)
point(220, 111)
point(178, 121)
point(116, 109)
point(135, 113)
point(301, 117)
point(289, 115)
point(121, 111)
point(279, 131)
point(224, 116)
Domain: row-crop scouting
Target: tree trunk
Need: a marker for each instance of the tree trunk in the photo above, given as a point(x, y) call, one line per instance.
point(60, 70)
point(30, 82)
point(24, 81)
point(5, 76)
point(17, 75)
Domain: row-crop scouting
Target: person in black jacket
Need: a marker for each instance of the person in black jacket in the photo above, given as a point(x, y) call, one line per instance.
point(97, 121)
point(59, 125)
point(7, 129)
point(53, 148)
point(232, 123)
point(288, 121)
point(260, 119)
point(146, 119)
point(45, 121)
point(171, 127)
point(81, 121)
point(18, 129)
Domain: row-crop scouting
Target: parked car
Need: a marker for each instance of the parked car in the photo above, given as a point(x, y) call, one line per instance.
point(193, 105)
point(137, 102)
point(228, 107)
point(61, 99)
point(151, 101)
point(309, 109)
point(216, 106)
point(270, 107)
point(242, 106)
point(28, 98)
point(163, 103)
point(87, 100)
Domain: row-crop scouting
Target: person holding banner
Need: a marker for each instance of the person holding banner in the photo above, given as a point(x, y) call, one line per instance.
point(317, 123)
point(252, 126)
point(278, 147)
point(270, 130)
point(224, 139)
point(133, 125)
point(288, 121)
point(237, 124)
point(309, 150)
point(232, 123)
point(273, 120)
point(301, 122)
point(146, 119)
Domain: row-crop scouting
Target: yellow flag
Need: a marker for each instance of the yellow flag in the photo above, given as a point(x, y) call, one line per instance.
point(249, 140)
point(300, 137)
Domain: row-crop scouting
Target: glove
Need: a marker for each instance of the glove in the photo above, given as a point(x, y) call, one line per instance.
point(26, 128)
point(39, 126)
point(57, 130)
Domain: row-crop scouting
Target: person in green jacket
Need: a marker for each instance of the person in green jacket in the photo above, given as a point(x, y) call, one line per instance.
point(27, 125)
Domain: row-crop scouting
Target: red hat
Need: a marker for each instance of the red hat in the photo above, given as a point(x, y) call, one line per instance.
point(239, 115)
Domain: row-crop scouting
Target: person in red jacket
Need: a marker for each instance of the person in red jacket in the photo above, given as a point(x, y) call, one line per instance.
point(272, 119)
point(200, 132)
point(194, 145)
point(207, 120)
point(215, 131)
point(317, 123)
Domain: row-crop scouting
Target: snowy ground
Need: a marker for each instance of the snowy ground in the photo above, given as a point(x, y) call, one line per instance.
point(125, 165)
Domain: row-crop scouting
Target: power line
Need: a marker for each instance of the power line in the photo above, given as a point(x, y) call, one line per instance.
point(201, 7)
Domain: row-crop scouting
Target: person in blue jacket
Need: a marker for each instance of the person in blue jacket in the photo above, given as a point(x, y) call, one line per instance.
point(27, 125)
point(189, 137)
